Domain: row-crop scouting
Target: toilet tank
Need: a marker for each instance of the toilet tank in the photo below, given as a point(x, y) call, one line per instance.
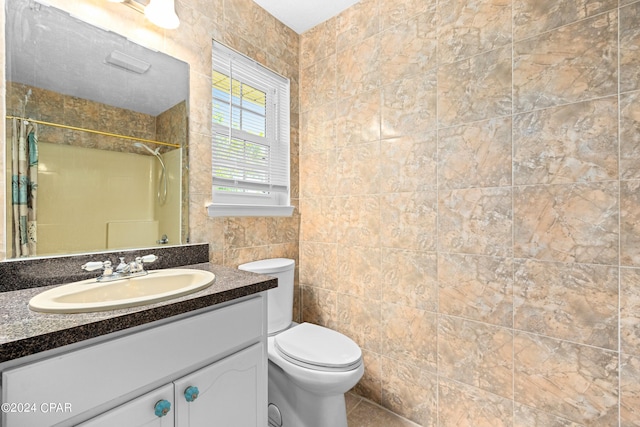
point(280, 299)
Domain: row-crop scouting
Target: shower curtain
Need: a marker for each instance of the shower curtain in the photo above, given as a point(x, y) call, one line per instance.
point(24, 182)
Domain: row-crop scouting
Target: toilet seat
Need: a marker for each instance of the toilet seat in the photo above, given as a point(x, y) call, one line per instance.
point(318, 348)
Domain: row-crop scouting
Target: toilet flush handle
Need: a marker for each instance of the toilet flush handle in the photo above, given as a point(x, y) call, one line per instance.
point(191, 393)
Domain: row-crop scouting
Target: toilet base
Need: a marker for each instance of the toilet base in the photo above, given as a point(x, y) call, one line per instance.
point(301, 408)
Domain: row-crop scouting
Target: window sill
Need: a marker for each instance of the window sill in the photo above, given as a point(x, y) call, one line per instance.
point(219, 210)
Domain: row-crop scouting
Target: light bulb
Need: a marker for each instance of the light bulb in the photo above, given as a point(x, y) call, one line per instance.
point(162, 13)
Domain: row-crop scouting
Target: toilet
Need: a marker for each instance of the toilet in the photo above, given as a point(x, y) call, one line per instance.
point(310, 367)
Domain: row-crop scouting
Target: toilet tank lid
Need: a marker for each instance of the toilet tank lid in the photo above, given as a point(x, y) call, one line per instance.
point(266, 266)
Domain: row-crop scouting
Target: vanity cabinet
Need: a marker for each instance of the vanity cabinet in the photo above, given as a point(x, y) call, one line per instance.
point(224, 393)
point(217, 358)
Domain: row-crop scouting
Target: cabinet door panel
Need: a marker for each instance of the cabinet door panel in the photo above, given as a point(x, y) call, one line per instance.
point(139, 412)
point(231, 392)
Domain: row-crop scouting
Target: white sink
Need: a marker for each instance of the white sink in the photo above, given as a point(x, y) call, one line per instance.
point(89, 295)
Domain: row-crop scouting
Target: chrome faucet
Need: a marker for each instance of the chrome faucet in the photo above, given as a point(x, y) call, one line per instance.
point(124, 270)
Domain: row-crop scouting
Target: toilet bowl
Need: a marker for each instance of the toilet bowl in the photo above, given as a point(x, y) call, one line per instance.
point(310, 366)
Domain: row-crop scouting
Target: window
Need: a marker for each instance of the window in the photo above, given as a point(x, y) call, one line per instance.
point(250, 142)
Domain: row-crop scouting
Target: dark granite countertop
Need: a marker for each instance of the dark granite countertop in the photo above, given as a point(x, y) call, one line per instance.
point(24, 332)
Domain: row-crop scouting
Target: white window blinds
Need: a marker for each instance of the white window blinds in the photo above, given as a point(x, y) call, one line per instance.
point(250, 124)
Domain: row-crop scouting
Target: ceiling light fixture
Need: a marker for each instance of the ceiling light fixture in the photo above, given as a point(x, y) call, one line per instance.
point(160, 12)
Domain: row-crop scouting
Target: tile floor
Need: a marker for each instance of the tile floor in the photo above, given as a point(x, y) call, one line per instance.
point(364, 413)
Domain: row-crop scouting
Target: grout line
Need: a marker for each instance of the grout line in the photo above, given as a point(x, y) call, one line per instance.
point(619, 223)
point(513, 227)
point(382, 408)
point(437, 230)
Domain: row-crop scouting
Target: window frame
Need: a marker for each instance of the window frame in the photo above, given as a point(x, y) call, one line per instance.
point(275, 199)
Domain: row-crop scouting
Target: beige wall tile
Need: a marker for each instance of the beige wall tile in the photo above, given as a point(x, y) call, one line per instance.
point(358, 169)
point(409, 106)
point(576, 382)
point(409, 335)
point(370, 386)
point(475, 155)
point(476, 354)
point(476, 287)
point(410, 163)
point(532, 17)
point(318, 219)
point(475, 89)
point(629, 391)
point(319, 306)
point(317, 174)
point(461, 405)
point(359, 319)
point(318, 129)
point(409, 391)
point(525, 416)
point(567, 223)
point(319, 83)
point(318, 43)
point(475, 221)
point(358, 119)
point(629, 223)
point(358, 220)
point(567, 144)
point(630, 135)
point(358, 67)
point(574, 302)
point(409, 48)
point(393, 12)
point(320, 260)
point(409, 278)
point(630, 311)
point(409, 220)
point(467, 28)
point(569, 64)
point(629, 41)
point(360, 272)
point(357, 23)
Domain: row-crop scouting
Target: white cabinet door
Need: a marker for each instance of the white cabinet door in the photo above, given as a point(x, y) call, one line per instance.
point(140, 412)
point(229, 393)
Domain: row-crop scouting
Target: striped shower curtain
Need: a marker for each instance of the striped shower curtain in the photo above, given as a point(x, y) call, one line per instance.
point(24, 182)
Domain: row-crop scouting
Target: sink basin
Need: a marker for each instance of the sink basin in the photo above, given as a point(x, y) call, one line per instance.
point(88, 295)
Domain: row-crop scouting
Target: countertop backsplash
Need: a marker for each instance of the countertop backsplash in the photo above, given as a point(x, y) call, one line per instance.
point(35, 272)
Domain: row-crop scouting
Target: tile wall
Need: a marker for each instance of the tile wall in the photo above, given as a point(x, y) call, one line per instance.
point(470, 209)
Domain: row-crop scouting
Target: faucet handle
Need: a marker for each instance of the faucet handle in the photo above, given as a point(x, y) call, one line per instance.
point(97, 265)
point(94, 265)
point(148, 258)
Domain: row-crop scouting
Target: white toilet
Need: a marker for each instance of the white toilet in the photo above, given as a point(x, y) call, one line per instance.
point(310, 366)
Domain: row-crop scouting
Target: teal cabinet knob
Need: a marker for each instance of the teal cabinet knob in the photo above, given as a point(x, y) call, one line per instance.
point(162, 408)
point(191, 393)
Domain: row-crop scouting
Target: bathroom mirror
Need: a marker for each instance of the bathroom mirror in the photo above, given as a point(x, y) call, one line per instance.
point(96, 138)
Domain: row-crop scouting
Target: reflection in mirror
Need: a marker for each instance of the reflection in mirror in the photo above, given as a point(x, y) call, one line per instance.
point(96, 137)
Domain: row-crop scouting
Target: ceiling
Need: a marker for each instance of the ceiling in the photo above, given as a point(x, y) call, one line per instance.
point(50, 49)
point(302, 15)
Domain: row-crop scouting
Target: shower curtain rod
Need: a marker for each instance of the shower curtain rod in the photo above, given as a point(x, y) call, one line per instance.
point(58, 125)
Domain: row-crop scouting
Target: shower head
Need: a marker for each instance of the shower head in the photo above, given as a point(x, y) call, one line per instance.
point(162, 183)
point(146, 147)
